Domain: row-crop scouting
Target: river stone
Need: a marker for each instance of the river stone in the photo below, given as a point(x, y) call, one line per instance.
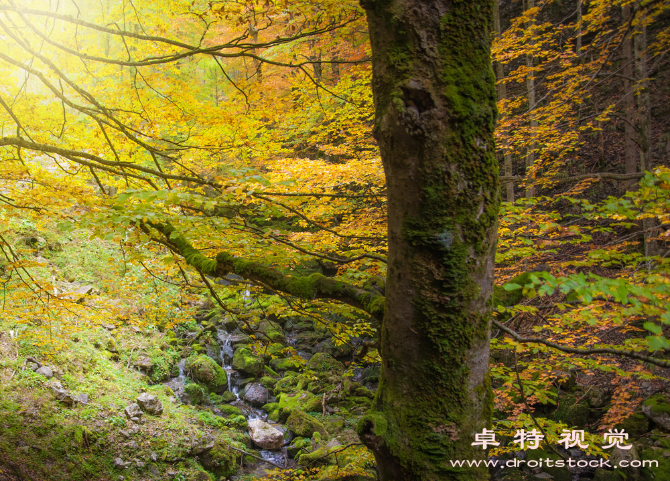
point(133, 411)
point(256, 395)
point(264, 435)
point(302, 424)
point(245, 361)
point(657, 409)
point(207, 373)
point(144, 363)
point(150, 404)
point(322, 362)
point(45, 371)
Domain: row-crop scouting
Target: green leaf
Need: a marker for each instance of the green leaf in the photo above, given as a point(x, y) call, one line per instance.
point(512, 286)
point(653, 328)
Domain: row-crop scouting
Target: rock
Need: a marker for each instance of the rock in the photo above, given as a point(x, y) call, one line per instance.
point(220, 459)
point(635, 425)
point(45, 371)
point(328, 347)
point(208, 373)
point(78, 293)
point(543, 476)
point(657, 409)
point(62, 395)
point(154, 470)
point(618, 455)
point(302, 424)
point(228, 397)
point(32, 366)
point(264, 435)
point(195, 393)
point(285, 364)
point(322, 362)
point(83, 398)
point(301, 401)
point(133, 411)
point(268, 382)
point(150, 404)
point(256, 395)
point(229, 411)
point(119, 463)
point(143, 363)
point(109, 327)
point(229, 323)
point(598, 397)
point(273, 331)
point(245, 361)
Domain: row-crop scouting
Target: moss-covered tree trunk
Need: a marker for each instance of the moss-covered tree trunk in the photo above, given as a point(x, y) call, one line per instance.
point(434, 93)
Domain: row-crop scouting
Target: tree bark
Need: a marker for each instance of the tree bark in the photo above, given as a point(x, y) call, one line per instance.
point(434, 93)
point(502, 94)
point(530, 88)
point(630, 144)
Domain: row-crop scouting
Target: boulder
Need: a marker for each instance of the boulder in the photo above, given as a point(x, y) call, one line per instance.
point(45, 371)
point(245, 361)
point(284, 364)
point(273, 331)
point(144, 363)
point(62, 395)
point(322, 362)
point(264, 435)
point(133, 411)
point(301, 401)
point(256, 395)
point(150, 404)
point(657, 409)
point(302, 424)
point(195, 393)
point(328, 347)
point(208, 373)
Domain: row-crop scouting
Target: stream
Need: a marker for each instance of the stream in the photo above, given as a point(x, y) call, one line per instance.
point(236, 383)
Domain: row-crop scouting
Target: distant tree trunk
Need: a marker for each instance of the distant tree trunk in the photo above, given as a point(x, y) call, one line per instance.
point(258, 65)
point(434, 94)
point(530, 87)
point(630, 145)
point(502, 94)
point(644, 123)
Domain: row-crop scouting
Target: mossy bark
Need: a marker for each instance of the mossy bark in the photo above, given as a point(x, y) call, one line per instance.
point(434, 93)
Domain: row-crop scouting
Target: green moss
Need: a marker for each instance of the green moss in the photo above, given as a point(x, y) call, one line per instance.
point(302, 401)
point(286, 364)
point(195, 393)
point(244, 360)
point(208, 373)
point(228, 410)
point(374, 422)
point(322, 362)
point(302, 424)
point(635, 425)
point(273, 331)
point(659, 403)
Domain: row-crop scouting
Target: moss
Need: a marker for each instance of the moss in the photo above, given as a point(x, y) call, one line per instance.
point(635, 425)
point(286, 364)
point(659, 404)
point(375, 423)
point(208, 373)
point(273, 331)
point(302, 400)
point(195, 393)
point(268, 382)
point(228, 410)
point(244, 360)
point(302, 424)
point(657, 473)
point(220, 460)
point(322, 362)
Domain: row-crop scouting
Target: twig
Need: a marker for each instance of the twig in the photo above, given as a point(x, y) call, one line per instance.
point(580, 351)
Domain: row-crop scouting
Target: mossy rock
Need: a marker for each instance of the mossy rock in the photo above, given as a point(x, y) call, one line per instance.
point(228, 397)
point(302, 424)
point(245, 361)
point(559, 474)
point(220, 460)
point(273, 331)
point(299, 445)
point(268, 382)
point(194, 393)
point(228, 411)
point(318, 457)
point(276, 349)
point(635, 425)
point(322, 362)
point(657, 409)
point(329, 347)
point(208, 373)
point(284, 364)
point(655, 473)
point(229, 323)
point(570, 413)
point(301, 401)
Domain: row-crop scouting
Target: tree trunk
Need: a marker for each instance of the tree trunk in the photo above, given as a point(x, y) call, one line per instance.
point(530, 87)
point(502, 94)
point(434, 93)
point(630, 144)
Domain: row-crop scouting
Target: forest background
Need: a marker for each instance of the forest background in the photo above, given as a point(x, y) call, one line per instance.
point(136, 140)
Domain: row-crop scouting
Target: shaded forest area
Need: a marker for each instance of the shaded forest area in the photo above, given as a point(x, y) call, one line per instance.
point(386, 240)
